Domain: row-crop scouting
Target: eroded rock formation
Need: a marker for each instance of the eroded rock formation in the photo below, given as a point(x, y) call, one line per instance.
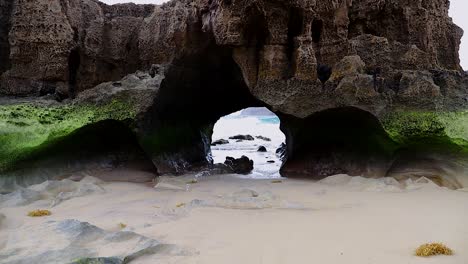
point(356, 83)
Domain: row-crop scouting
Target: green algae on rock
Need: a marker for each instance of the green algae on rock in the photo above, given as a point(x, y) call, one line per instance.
point(429, 129)
point(27, 127)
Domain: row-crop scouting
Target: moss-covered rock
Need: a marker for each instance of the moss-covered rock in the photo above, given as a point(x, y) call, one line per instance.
point(27, 127)
point(429, 130)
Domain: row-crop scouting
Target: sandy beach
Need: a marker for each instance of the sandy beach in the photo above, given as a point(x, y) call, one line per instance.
point(229, 219)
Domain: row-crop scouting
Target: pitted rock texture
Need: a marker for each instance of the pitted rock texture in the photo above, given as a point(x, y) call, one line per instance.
point(280, 46)
point(296, 57)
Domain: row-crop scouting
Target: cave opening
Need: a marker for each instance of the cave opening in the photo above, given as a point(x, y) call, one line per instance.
point(343, 140)
point(295, 29)
point(317, 28)
point(253, 132)
point(256, 32)
point(96, 148)
point(197, 90)
point(74, 60)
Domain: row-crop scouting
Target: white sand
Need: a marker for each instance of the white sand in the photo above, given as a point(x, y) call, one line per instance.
point(339, 220)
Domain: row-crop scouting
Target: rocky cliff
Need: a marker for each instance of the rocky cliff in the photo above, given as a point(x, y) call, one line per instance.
point(359, 85)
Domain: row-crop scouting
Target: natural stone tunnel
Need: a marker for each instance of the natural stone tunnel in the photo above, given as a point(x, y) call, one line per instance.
point(197, 91)
point(253, 132)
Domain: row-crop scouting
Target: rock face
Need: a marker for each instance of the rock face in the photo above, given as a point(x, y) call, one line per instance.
point(333, 71)
point(74, 41)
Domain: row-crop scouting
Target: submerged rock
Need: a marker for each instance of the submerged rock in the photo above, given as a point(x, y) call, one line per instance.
point(243, 137)
point(243, 165)
point(220, 142)
point(263, 138)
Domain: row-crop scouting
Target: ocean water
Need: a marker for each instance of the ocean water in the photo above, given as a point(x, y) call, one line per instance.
point(255, 125)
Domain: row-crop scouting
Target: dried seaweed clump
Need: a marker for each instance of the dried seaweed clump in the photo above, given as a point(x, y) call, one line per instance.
point(433, 249)
point(38, 213)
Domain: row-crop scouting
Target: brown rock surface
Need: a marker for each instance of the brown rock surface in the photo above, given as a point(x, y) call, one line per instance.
point(296, 57)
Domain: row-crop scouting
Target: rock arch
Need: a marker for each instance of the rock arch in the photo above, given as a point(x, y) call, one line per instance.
point(197, 90)
point(243, 53)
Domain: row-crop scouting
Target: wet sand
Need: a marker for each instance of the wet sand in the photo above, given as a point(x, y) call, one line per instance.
point(227, 219)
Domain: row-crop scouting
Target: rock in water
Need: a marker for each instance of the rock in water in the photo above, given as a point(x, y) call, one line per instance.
point(243, 165)
point(220, 142)
point(262, 149)
point(243, 137)
point(263, 138)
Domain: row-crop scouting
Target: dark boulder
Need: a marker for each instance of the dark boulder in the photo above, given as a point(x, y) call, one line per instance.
point(220, 142)
point(243, 137)
point(243, 165)
point(262, 149)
